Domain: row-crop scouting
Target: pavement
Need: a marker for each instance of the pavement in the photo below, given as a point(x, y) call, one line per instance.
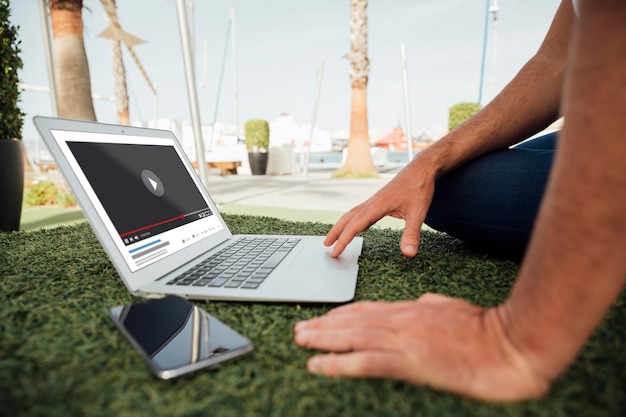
point(314, 197)
point(315, 191)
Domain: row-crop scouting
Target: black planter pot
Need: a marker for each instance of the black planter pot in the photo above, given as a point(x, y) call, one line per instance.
point(258, 162)
point(11, 184)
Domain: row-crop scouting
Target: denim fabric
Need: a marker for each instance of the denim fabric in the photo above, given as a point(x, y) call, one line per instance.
point(493, 200)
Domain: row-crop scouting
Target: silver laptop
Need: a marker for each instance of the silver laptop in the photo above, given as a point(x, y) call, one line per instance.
point(164, 234)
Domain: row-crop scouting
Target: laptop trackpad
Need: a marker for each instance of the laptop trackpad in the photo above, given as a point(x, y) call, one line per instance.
point(315, 260)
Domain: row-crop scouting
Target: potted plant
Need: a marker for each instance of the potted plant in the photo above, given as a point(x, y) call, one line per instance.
point(11, 121)
point(257, 143)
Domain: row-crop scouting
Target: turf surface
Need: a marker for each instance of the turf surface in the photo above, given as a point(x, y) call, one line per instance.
point(61, 356)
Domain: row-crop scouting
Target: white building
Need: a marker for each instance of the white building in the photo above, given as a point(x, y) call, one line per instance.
point(285, 131)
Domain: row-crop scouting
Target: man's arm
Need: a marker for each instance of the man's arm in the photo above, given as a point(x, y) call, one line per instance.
point(529, 103)
point(576, 263)
point(574, 269)
point(525, 106)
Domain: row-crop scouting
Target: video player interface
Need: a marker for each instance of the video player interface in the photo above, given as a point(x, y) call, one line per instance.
point(148, 195)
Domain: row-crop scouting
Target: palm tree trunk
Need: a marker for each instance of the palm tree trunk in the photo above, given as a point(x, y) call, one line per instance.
point(359, 162)
point(71, 68)
point(359, 158)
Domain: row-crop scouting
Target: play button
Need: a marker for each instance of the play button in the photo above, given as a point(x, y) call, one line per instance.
point(152, 182)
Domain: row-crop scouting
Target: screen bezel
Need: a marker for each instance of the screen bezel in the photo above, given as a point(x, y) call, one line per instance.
point(176, 261)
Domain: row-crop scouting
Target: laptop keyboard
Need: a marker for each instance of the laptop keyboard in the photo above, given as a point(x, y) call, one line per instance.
point(244, 263)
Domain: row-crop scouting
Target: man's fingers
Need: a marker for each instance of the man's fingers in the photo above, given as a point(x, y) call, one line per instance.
point(434, 298)
point(368, 364)
point(346, 339)
point(334, 233)
point(358, 222)
point(409, 243)
point(342, 233)
point(370, 315)
point(348, 320)
point(374, 307)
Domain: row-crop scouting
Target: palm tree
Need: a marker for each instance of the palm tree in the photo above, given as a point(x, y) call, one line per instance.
point(71, 69)
point(359, 162)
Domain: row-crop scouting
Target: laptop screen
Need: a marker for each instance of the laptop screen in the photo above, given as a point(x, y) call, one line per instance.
point(144, 193)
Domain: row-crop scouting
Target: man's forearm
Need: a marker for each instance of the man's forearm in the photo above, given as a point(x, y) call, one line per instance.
point(528, 104)
point(576, 263)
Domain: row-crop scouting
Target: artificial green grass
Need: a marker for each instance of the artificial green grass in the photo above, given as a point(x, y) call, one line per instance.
point(61, 356)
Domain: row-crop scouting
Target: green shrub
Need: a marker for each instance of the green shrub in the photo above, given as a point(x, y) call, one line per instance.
point(41, 194)
point(64, 198)
point(460, 112)
point(257, 135)
point(11, 117)
point(46, 193)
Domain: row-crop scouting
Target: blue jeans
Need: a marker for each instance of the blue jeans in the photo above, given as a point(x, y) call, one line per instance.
point(493, 201)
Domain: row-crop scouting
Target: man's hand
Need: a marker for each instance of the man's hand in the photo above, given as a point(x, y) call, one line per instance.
point(407, 196)
point(438, 341)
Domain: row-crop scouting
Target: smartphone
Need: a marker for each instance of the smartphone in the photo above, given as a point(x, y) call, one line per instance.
point(176, 337)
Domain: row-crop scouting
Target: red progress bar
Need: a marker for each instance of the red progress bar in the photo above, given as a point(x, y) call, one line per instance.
point(141, 229)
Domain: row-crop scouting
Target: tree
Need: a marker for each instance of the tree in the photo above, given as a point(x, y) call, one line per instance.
point(359, 161)
point(71, 69)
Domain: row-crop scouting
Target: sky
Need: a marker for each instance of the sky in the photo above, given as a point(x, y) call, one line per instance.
point(280, 45)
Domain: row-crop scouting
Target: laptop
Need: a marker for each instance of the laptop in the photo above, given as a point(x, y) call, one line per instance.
point(165, 235)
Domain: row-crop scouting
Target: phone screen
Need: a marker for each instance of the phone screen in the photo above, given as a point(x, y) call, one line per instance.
point(176, 337)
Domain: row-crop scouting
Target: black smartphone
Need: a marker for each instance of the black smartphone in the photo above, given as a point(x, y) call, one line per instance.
point(176, 337)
